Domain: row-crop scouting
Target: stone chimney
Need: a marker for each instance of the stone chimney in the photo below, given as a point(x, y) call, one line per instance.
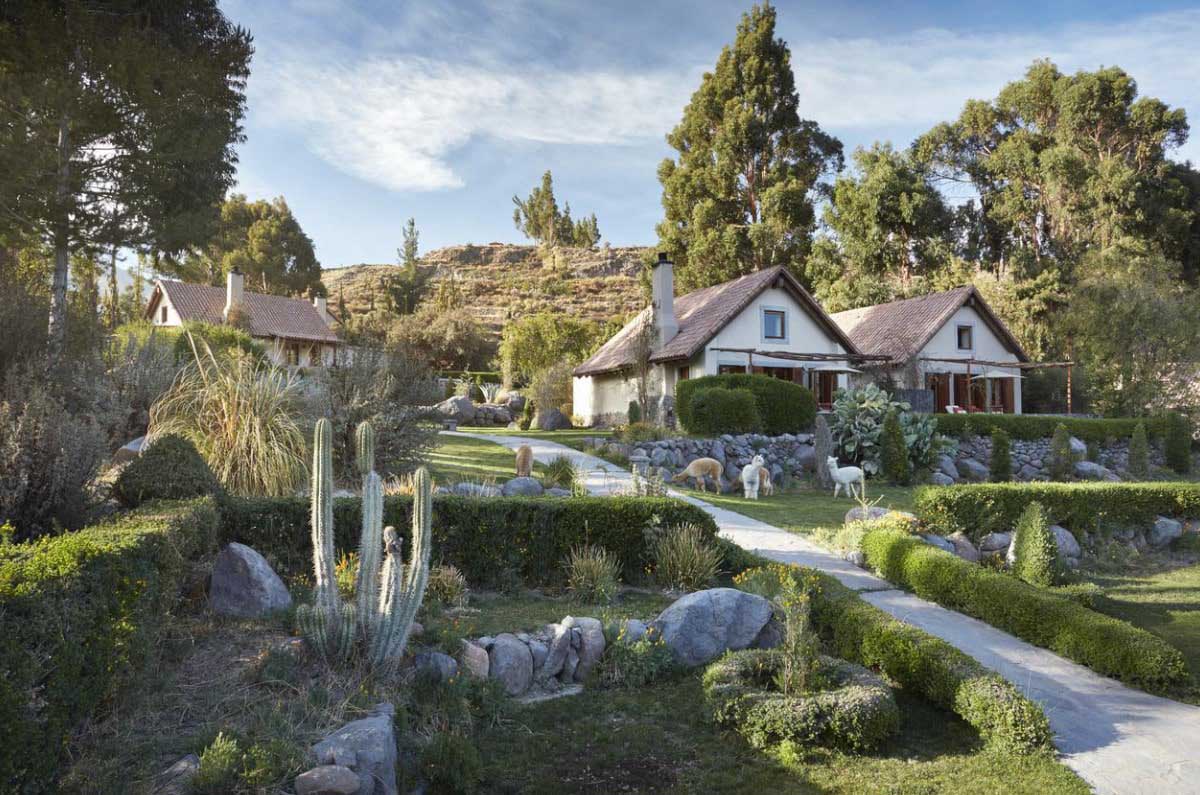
point(322, 306)
point(662, 282)
point(235, 287)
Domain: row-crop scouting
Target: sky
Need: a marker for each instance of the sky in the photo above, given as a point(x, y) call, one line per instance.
point(363, 114)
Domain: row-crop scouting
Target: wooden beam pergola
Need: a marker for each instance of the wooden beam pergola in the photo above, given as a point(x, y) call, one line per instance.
point(809, 357)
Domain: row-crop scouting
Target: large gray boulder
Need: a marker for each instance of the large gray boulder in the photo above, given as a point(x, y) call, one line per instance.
point(591, 646)
point(963, 547)
point(515, 403)
point(1068, 547)
point(995, 542)
point(703, 625)
point(522, 487)
point(245, 585)
point(1090, 470)
point(941, 479)
point(458, 408)
point(328, 780)
point(475, 660)
point(939, 542)
point(511, 663)
point(551, 420)
point(1078, 447)
point(436, 665)
point(466, 489)
point(1163, 532)
point(368, 747)
point(970, 469)
point(945, 465)
point(806, 458)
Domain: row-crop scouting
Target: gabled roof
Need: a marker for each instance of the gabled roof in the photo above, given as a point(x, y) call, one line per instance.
point(901, 329)
point(269, 315)
point(701, 315)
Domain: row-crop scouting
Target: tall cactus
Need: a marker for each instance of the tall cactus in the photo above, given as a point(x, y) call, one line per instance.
point(404, 587)
point(370, 552)
point(364, 441)
point(322, 516)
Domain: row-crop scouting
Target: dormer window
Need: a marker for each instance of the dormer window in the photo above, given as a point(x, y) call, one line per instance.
point(164, 313)
point(966, 338)
point(774, 324)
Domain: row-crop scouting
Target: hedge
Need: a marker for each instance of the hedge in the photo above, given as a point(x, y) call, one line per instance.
point(488, 539)
point(1105, 644)
point(1035, 426)
point(854, 629)
point(718, 410)
point(1081, 507)
point(783, 407)
point(81, 615)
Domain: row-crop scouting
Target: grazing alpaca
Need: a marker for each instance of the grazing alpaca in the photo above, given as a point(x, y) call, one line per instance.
point(845, 476)
point(524, 461)
point(698, 469)
point(752, 476)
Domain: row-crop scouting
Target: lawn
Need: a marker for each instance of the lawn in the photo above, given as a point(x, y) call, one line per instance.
point(571, 437)
point(457, 458)
point(805, 509)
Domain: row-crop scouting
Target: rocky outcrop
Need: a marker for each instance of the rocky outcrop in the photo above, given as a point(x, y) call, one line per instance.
point(245, 585)
point(703, 625)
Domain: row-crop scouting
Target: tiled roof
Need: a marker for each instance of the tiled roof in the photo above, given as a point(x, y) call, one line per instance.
point(700, 315)
point(269, 315)
point(900, 329)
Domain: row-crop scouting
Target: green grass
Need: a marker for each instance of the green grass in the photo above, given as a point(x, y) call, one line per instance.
point(457, 458)
point(572, 437)
point(658, 739)
point(804, 509)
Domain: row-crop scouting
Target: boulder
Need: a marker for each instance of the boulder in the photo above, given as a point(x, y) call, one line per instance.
point(539, 651)
point(856, 514)
point(1028, 472)
point(1068, 547)
point(466, 489)
point(555, 491)
point(1078, 447)
point(995, 542)
point(806, 458)
point(1089, 470)
point(1163, 532)
point(856, 557)
point(515, 403)
point(945, 465)
point(970, 469)
point(941, 479)
point(963, 547)
point(552, 420)
point(458, 408)
point(368, 747)
point(327, 780)
point(475, 660)
point(438, 666)
point(591, 645)
point(127, 452)
point(939, 542)
point(177, 779)
point(770, 636)
point(511, 663)
point(703, 625)
point(522, 487)
point(633, 630)
point(245, 585)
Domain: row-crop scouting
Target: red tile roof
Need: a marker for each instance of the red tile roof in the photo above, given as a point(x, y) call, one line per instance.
point(701, 314)
point(269, 315)
point(900, 329)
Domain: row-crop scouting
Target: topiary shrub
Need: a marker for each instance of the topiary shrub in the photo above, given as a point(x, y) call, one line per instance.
point(1035, 552)
point(822, 449)
point(1139, 453)
point(169, 469)
point(783, 407)
point(634, 413)
point(1179, 444)
point(1062, 459)
point(1001, 465)
point(893, 454)
point(718, 410)
point(526, 416)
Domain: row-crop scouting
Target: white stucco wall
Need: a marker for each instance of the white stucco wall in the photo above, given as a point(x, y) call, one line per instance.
point(605, 398)
point(986, 345)
point(173, 318)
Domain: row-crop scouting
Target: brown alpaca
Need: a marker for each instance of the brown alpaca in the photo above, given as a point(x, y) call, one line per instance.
point(698, 469)
point(524, 461)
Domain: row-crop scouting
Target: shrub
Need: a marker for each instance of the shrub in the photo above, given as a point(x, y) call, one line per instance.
point(1081, 507)
point(1179, 444)
point(221, 339)
point(634, 663)
point(1001, 464)
point(220, 765)
point(1029, 427)
point(345, 571)
point(593, 574)
point(168, 469)
point(447, 586)
point(893, 454)
point(641, 432)
point(526, 415)
point(1062, 459)
point(783, 407)
point(452, 764)
point(560, 473)
point(685, 559)
point(634, 414)
point(81, 615)
point(1107, 645)
point(857, 426)
point(718, 410)
point(243, 417)
point(1139, 453)
point(1034, 549)
point(822, 449)
point(551, 388)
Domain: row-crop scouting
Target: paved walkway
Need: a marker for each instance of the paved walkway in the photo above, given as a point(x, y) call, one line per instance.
point(1121, 741)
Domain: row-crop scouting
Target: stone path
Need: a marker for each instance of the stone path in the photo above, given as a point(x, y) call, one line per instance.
point(1121, 741)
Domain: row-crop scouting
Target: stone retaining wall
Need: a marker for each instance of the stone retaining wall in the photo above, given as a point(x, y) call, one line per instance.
point(791, 454)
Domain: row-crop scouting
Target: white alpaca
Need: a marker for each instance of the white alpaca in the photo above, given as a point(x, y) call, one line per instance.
point(752, 476)
point(845, 476)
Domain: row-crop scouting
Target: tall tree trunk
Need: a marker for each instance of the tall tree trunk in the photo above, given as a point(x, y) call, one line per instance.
point(57, 335)
point(114, 310)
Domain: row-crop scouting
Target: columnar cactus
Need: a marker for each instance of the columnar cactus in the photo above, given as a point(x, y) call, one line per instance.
point(364, 440)
point(370, 553)
point(404, 587)
point(322, 516)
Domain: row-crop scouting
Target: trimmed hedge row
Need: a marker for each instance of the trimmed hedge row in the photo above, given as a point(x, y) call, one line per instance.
point(488, 539)
point(1107, 645)
point(718, 410)
point(854, 629)
point(80, 615)
point(1036, 426)
point(1081, 507)
point(783, 407)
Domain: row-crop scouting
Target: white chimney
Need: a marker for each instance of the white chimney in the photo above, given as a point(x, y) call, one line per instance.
point(322, 306)
point(234, 288)
point(662, 282)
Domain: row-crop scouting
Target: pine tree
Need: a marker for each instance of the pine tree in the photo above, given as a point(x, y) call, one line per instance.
point(1001, 468)
point(408, 284)
point(739, 197)
point(1179, 443)
point(1139, 453)
point(1062, 460)
point(1034, 549)
point(894, 452)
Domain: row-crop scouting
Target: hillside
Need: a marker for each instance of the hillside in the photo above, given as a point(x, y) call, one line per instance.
point(502, 281)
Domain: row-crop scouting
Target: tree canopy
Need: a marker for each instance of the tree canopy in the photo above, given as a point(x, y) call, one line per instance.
point(739, 195)
point(534, 342)
point(538, 218)
point(407, 284)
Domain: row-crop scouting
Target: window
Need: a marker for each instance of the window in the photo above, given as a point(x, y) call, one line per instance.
point(293, 355)
point(164, 313)
point(682, 374)
point(774, 324)
point(965, 338)
point(725, 369)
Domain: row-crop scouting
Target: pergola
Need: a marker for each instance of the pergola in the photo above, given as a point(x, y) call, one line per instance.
point(971, 362)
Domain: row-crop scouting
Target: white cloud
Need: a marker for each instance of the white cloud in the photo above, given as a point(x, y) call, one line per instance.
point(398, 120)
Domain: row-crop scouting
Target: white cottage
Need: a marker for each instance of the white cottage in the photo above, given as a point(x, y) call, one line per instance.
point(293, 331)
point(765, 322)
point(951, 343)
